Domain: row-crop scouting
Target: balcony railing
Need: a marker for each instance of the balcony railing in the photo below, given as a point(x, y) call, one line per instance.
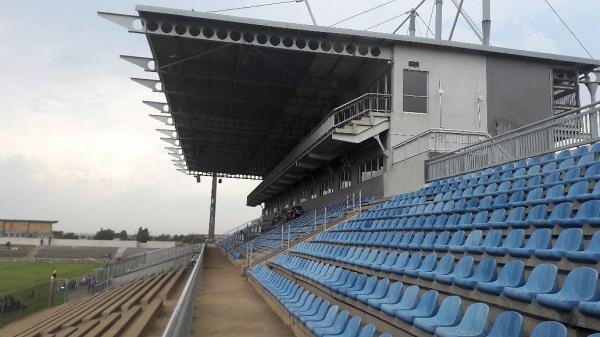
point(358, 107)
point(565, 130)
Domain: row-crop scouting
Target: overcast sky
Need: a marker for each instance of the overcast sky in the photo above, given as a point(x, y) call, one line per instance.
point(76, 144)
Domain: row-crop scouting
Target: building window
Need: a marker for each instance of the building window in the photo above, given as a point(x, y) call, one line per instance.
point(327, 186)
point(313, 192)
point(415, 91)
point(345, 178)
point(370, 169)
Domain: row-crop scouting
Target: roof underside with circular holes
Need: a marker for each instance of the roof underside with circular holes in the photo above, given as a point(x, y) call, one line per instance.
point(242, 96)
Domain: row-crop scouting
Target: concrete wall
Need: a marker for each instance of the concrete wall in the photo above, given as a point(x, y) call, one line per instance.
point(460, 74)
point(519, 92)
point(89, 243)
point(405, 176)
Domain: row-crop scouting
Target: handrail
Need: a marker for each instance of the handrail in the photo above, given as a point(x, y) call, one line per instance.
point(181, 319)
point(568, 129)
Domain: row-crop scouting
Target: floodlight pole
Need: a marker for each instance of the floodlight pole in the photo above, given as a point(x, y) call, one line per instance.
point(213, 208)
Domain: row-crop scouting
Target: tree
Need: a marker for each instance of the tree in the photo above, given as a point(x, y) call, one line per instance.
point(143, 235)
point(70, 235)
point(58, 234)
point(163, 237)
point(123, 235)
point(104, 234)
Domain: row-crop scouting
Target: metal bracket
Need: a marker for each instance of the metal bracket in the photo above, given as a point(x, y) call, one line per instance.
point(142, 62)
point(162, 107)
point(169, 133)
point(162, 118)
point(383, 150)
point(155, 85)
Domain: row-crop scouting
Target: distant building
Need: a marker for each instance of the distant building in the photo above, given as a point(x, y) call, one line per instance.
point(26, 228)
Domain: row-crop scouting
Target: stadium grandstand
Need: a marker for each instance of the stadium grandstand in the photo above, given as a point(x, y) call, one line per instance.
point(410, 186)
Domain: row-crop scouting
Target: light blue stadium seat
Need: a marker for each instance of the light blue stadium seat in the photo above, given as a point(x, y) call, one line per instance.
point(540, 239)
point(473, 323)
point(462, 269)
point(498, 217)
point(591, 254)
point(400, 262)
point(394, 292)
point(466, 221)
point(378, 293)
point(413, 263)
point(473, 240)
point(415, 243)
point(458, 238)
point(580, 285)
point(507, 324)
point(559, 214)
point(312, 322)
point(427, 307)
point(444, 266)
point(549, 329)
point(407, 301)
point(448, 314)
point(514, 216)
point(428, 241)
point(536, 217)
point(367, 331)
point(511, 275)
point(543, 279)
point(588, 213)
point(492, 239)
point(569, 240)
point(428, 264)
point(485, 272)
point(350, 330)
point(441, 240)
point(336, 327)
point(367, 289)
point(514, 239)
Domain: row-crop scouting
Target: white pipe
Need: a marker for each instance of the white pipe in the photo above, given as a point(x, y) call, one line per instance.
point(438, 19)
point(486, 22)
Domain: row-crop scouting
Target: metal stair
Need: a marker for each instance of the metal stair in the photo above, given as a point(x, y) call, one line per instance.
point(371, 124)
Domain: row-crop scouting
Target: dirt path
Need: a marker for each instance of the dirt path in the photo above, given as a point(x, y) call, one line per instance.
point(227, 305)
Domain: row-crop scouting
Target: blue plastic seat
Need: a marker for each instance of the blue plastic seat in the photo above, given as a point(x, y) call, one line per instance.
point(492, 239)
point(350, 329)
point(336, 327)
point(473, 240)
point(448, 314)
point(507, 324)
point(588, 213)
point(497, 218)
point(485, 272)
point(549, 329)
point(591, 254)
point(444, 266)
point(473, 323)
point(540, 239)
point(400, 262)
point(462, 269)
point(560, 213)
point(428, 264)
point(326, 320)
point(535, 217)
point(581, 284)
point(542, 280)
point(427, 307)
point(441, 240)
point(367, 331)
point(378, 292)
point(569, 240)
point(407, 301)
point(511, 275)
point(394, 292)
point(514, 239)
point(457, 239)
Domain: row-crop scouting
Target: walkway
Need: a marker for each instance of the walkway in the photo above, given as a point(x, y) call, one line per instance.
point(227, 306)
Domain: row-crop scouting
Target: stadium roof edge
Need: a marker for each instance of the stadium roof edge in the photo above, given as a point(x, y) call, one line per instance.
point(374, 35)
point(30, 220)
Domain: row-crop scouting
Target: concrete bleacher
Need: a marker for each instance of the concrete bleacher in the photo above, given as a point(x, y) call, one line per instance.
point(135, 251)
point(66, 252)
point(126, 310)
point(506, 251)
point(16, 251)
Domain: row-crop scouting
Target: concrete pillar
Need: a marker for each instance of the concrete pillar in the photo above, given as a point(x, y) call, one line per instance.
point(438, 19)
point(486, 22)
point(213, 208)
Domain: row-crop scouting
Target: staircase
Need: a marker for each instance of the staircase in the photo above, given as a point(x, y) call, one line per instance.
point(362, 118)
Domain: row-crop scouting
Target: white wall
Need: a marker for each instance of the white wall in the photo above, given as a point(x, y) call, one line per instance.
point(460, 75)
point(88, 243)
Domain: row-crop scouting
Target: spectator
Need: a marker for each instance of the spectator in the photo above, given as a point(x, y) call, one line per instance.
point(41, 241)
point(49, 241)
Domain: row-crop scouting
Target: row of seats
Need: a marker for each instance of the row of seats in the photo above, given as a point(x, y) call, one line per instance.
point(316, 314)
point(542, 285)
point(422, 311)
point(569, 243)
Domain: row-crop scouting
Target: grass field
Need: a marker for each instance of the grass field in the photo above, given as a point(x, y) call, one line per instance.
point(16, 276)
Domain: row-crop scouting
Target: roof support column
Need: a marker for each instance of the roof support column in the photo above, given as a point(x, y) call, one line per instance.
point(213, 208)
point(486, 22)
point(412, 24)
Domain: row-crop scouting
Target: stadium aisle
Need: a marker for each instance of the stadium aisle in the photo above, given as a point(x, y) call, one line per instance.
point(228, 306)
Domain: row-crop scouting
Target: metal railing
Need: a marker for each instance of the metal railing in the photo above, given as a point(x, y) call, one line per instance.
point(565, 130)
point(134, 268)
point(361, 105)
point(436, 140)
point(181, 318)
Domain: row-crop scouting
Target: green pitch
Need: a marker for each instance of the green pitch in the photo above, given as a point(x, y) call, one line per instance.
point(15, 276)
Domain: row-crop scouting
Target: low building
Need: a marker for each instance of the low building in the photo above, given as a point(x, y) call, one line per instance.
point(26, 228)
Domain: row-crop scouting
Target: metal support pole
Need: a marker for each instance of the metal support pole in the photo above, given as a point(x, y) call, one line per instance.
point(412, 24)
point(438, 19)
point(359, 201)
point(282, 236)
point(325, 218)
point(346, 204)
point(289, 236)
point(250, 264)
point(213, 208)
point(353, 202)
point(312, 17)
point(486, 22)
point(315, 220)
point(469, 21)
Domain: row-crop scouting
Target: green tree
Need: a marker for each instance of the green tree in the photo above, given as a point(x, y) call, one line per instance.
point(70, 235)
point(123, 235)
point(104, 234)
point(143, 235)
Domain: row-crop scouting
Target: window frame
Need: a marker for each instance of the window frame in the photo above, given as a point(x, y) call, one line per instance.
point(426, 96)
